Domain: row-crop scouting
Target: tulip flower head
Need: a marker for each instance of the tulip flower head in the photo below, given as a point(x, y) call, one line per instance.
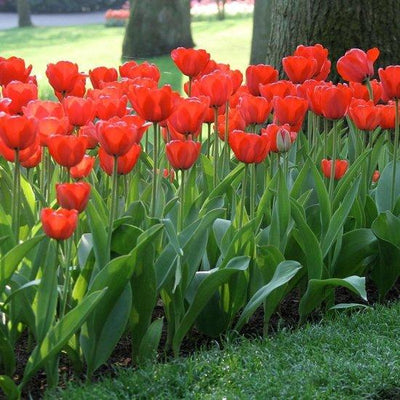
point(59, 224)
point(339, 170)
point(357, 65)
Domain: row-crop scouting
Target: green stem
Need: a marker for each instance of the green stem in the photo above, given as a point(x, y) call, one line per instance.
point(370, 91)
point(253, 185)
point(395, 146)
point(155, 173)
point(325, 138)
point(226, 146)
point(182, 201)
point(190, 87)
point(67, 276)
point(333, 162)
point(215, 178)
point(243, 197)
point(15, 210)
point(208, 139)
point(112, 212)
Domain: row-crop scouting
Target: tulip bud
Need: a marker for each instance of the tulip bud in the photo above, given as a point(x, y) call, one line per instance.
point(283, 140)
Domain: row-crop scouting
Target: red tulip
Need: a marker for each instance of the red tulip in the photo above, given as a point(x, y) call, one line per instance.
point(390, 80)
point(299, 69)
point(290, 110)
point(334, 101)
point(73, 196)
point(320, 54)
point(79, 110)
point(217, 86)
point(260, 74)
point(357, 65)
point(108, 107)
point(78, 90)
point(83, 168)
point(364, 114)
point(125, 162)
point(249, 147)
point(13, 69)
point(279, 89)
point(20, 95)
point(9, 153)
point(340, 168)
point(189, 115)
point(137, 125)
point(387, 115)
point(100, 75)
point(182, 154)
point(124, 68)
point(42, 109)
point(115, 136)
point(63, 76)
point(59, 224)
point(17, 131)
point(144, 70)
point(376, 175)
point(34, 160)
point(52, 126)
point(67, 151)
point(89, 132)
point(254, 110)
point(191, 62)
point(153, 105)
point(360, 91)
point(235, 122)
point(280, 137)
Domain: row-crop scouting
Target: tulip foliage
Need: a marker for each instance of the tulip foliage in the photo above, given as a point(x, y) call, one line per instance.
point(126, 196)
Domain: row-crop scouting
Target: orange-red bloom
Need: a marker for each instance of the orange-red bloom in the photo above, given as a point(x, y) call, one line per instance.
point(191, 62)
point(320, 54)
point(34, 160)
point(259, 74)
point(80, 111)
point(17, 131)
point(20, 95)
point(67, 151)
point(357, 65)
point(360, 91)
point(59, 224)
point(280, 137)
point(153, 105)
point(390, 80)
point(290, 110)
point(365, 115)
point(83, 168)
point(235, 122)
point(73, 196)
point(13, 69)
point(339, 170)
point(249, 147)
point(279, 89)
point(298, 68)
point(254, 110)
point(99, 75)
point(125, 162)
point(63, 76)
point(182, 154)
point(189, 115)
point(334, 101)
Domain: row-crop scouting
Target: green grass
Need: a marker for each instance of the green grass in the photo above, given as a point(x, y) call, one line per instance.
point(94, 45)
point(356, 357)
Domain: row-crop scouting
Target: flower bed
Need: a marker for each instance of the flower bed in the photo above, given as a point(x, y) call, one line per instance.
point(126, 195)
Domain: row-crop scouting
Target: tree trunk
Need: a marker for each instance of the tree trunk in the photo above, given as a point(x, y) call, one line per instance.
point(338, 25)
point(24, 13)
point(156, 27)
point(261, 30)
point(221, 9)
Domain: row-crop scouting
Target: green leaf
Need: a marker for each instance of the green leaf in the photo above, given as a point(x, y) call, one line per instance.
point(339, 218)
point(172, 236)
point(7, 356)
point(387, 227)
point(149, 344)
point(124, 238)
point(384, 187)
point(205, 291)
point(10, 261)
point(358, 246)
point(319, 289)
point(9, 388)
point(59, 334)
point(307, 241)
point(285, 271)
point(99, 234)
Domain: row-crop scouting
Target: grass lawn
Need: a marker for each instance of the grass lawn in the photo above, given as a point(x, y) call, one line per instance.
point(94, 45)
point(356, 357)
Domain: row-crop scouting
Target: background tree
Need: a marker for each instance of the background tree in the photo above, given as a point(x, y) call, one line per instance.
point(221, 9)
point(337, 24)
point(261, 31)
point(155, 27)
point(24, 13)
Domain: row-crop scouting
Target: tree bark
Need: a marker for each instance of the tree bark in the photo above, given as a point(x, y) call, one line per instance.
point(24, 13)
point(338, 25)
point(156, 27)
point(261, 31)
